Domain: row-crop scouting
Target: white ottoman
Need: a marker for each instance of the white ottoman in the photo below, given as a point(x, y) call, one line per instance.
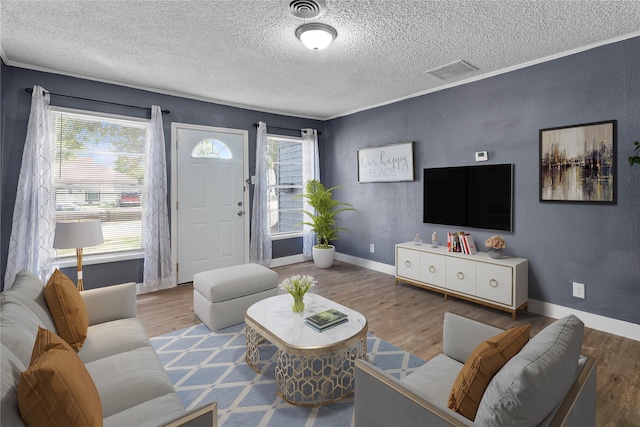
point(221, 297)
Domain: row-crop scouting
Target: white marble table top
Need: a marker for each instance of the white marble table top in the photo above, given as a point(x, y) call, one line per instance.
point(276, 316)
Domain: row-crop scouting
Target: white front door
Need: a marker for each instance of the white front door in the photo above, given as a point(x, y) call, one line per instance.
point(210, 201)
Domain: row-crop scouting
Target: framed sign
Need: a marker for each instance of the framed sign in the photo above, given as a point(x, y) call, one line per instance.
point(577, 163)
point(389, 163)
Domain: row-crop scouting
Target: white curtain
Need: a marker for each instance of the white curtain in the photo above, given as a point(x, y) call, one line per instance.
point(31, 242)
point(310, 170)
point(155, 223)
point(260, 250)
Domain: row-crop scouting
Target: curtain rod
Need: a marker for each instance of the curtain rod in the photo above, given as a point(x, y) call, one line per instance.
point(278, 127)
point(30, 90)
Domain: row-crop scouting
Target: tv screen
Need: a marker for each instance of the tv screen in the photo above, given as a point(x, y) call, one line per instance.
point(469, 196)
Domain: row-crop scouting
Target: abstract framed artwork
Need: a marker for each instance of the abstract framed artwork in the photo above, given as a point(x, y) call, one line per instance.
point(578, 163)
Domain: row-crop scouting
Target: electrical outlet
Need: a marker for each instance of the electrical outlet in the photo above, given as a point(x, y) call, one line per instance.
point(372, 248)
point(578, 290)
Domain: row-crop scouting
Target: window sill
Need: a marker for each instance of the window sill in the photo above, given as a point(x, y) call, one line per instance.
point(71, 261)
point(286, 236)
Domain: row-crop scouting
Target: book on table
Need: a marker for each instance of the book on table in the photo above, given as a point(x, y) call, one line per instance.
point(326, 328)
point(326, 319)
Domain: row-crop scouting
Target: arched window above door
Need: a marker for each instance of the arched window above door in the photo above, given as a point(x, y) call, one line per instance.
point(211, 149)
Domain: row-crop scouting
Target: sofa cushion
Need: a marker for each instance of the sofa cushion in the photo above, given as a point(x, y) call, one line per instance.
point(127, 379)
point(10, 369)
point(67, 309)
point(117, 336)
point(56, 389)
point(532, 383)
point(28, 290)
point(483, 363)
point(18, 329)
point(434, 379)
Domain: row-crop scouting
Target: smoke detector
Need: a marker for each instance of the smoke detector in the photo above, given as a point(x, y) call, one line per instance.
point(452, 70)
point(305, 9)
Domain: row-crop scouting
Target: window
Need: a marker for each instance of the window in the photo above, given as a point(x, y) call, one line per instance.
point(285, 185)
point(211, 148)
point(92, 196)
point(99, 164)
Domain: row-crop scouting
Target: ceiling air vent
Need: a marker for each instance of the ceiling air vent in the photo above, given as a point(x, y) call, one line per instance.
point(452, 70)
point(305, 9)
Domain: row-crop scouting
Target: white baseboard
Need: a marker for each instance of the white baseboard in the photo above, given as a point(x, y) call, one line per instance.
point(140, 289)
point(293, 259)
point(371, 265)
point(594, 321)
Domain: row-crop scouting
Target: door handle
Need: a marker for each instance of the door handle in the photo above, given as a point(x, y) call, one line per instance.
point(240, 213)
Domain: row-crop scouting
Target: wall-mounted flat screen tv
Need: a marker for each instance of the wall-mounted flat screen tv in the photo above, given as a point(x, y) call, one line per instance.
point(469, 196)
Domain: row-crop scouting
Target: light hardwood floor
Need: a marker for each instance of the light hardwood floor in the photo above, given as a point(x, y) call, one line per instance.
point(411, 318)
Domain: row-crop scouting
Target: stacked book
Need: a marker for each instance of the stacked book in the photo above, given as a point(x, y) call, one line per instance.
point(461, 242)
point(326, 319)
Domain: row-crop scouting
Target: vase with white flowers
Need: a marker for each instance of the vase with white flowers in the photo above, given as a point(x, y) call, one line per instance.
point(297, 286)
point(496, 245)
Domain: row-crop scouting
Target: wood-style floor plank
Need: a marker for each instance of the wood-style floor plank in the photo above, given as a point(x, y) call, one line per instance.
point(411, 318)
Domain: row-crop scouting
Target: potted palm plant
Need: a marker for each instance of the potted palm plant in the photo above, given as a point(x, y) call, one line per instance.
point(323, 221)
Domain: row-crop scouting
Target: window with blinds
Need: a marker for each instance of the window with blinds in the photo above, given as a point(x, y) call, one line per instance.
point(285, 185)
point(99, 164)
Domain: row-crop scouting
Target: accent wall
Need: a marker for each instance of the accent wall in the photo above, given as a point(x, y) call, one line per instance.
point(598, 245)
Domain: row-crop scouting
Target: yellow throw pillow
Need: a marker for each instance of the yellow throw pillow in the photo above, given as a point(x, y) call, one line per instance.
point(483, 363)
point(56, 389)
point(67, 309)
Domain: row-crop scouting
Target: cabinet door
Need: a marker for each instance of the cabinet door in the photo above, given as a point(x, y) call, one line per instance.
point(461, 275)
point(432, 269)
point(408, 264)
point(495, 283)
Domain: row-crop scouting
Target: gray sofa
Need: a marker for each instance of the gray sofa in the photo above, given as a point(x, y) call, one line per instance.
point(548, 383)
point(133, 385)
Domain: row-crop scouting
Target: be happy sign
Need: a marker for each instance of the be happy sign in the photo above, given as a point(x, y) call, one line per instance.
point(392, 162)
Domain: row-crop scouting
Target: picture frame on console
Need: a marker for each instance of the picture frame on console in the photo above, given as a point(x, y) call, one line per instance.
point(578, 163)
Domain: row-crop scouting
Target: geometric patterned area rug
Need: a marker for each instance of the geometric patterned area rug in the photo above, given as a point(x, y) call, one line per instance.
point(207, 367)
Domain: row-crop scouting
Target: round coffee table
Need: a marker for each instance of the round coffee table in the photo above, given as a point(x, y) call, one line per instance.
point(313, 368)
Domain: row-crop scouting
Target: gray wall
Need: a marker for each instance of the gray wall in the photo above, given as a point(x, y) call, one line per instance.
point(598, 245)
point(15, 108)
point(595, 245)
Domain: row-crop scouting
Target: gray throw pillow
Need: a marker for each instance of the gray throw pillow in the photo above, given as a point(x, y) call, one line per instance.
point(534, 381)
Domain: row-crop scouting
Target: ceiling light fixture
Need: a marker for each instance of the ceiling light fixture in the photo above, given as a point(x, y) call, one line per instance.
point(316, 36)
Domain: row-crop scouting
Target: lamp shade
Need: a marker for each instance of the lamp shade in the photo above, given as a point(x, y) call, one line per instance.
point(316, 36)
point(77, 234)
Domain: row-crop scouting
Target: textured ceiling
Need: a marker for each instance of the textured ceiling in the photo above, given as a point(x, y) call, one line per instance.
point(245, 53)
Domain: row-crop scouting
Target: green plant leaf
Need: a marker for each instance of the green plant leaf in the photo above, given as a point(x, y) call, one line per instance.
point(323, 221)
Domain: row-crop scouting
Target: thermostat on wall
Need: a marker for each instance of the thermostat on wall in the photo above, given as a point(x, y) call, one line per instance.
point(481, 156)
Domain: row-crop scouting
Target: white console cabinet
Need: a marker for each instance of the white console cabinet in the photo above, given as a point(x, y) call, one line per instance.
point(498, 283)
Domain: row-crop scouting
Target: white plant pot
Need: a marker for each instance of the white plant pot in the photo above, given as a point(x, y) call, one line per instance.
point(323, 258)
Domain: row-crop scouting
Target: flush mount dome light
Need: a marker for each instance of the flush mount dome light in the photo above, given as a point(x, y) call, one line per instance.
point(316, 36)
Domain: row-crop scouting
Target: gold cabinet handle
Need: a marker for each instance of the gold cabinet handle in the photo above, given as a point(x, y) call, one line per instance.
point(407, 263)
point(460, 275)
point(493, 283)
point(432, 269)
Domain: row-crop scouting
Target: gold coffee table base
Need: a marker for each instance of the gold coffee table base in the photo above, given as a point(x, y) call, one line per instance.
point(313, 376)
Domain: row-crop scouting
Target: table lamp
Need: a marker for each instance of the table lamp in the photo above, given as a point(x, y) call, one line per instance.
point(78, 234)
